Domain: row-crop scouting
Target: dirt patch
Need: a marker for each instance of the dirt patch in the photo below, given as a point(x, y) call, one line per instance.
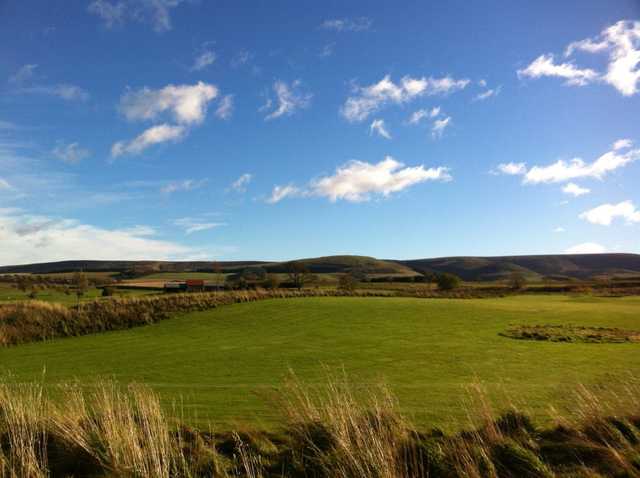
point(570, 333)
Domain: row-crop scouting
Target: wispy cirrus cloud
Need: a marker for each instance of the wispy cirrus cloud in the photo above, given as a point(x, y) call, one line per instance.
point(378, 126)
point(369, 99)
point(240, 184)
point(439, 125)
point(488, 93)
point(117, 13)
point(281, 192)
point(289, 98)
point(183, 185)
point(422, 114)
point(25, 81)
point(70, 153)
point(191, 225)
point(360, 24)
point(359, 181)
point(225, 107)
point(203, 60)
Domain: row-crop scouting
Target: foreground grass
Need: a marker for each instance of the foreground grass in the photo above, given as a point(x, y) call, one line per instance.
point(226, 364)
point(331, 432)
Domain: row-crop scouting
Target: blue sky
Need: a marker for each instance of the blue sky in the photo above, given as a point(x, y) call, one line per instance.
point(183, 129)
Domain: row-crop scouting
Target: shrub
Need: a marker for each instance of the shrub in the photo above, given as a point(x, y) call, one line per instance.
point(347, 283)
point(447, 281)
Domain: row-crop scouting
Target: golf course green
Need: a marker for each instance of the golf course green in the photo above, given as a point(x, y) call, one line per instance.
point(226, 365)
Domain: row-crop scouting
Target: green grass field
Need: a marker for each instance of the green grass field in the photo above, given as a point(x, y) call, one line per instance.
point(225, 364)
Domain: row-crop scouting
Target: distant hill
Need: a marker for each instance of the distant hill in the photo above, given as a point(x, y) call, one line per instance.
point(319, 265)
point(332, 264)
point(578, 266)
point(121, 266)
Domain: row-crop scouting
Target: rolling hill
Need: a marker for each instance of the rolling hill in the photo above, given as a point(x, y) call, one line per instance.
point(577, 266)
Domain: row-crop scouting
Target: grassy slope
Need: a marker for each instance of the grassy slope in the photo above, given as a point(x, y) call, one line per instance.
point(224, 363)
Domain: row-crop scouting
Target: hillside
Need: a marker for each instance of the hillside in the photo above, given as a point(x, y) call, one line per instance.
point(535, 267)
point(578, 266)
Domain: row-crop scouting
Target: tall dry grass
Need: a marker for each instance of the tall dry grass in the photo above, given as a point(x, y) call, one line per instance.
point(333, 431)
point(342, 434)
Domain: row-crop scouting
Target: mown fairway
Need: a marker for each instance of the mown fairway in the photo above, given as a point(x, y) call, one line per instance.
point(225, 363)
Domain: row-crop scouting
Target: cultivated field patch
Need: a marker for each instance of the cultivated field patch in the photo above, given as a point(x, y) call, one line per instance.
point(572, 333)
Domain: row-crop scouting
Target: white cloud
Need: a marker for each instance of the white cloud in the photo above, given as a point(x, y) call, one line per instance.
point(154, 135)
point(488, 94)
point(586, 248)
point(622, 144)
point(587, 45)
point(289, 99)
point(29, 239)
point(622, 41)
point(203, 60)
point(606, 213)
point(184, 185)
point(369, 99)
point(225, 107)
point(4, 184)
point(347, 24)
point(575, 190)
point(156, 12)
point(417, 116)
point(439, 125)
point(561, 170)
point(511, 169)
point(559, 229)
point(187, 103)
point(357, 180)
point(544, 65)
point(281, 192)
point(191, 225)
point(71, 153)
point(240, 184)
point(379, 127)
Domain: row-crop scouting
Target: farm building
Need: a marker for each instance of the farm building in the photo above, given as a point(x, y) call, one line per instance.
point(190, 285)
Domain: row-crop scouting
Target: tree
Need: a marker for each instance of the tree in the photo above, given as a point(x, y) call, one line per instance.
point(517, 280)
point(81, 284)
point(271, 281)
point(23, 283)
point(447, 281)
point(298, 274)
point(218, 275)
point(347, 283)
